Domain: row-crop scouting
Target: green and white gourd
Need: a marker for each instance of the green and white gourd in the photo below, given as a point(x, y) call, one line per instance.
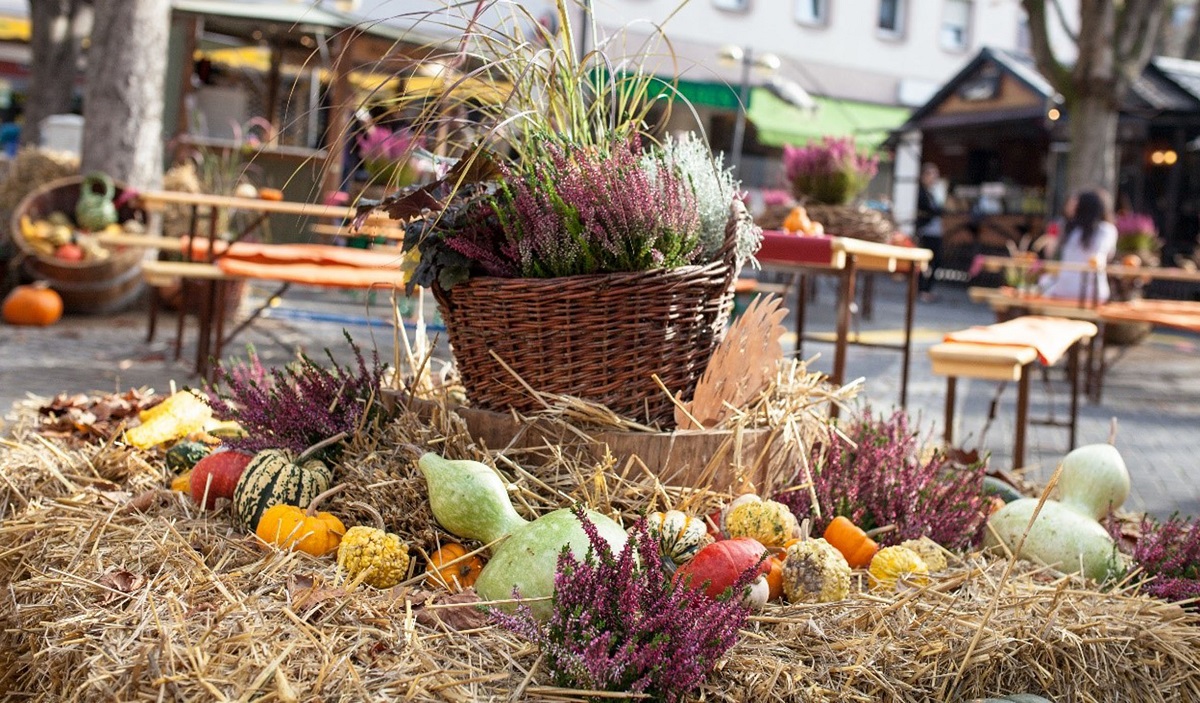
point(1067, 534)
point(470, 501)
point(680, 536)
point(184, 456)
point(277, 477)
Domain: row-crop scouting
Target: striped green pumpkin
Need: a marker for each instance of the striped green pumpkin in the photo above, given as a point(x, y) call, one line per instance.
point(273, 478)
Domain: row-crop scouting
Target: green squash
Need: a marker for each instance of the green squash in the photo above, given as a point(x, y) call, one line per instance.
point(469, 500)
point(527, 560)
point(184, 455)
point(277, 477)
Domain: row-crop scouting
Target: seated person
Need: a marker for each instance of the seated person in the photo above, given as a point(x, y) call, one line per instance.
point(1091, 237)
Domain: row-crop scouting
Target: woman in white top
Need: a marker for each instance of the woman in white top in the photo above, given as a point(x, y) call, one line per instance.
point(1091, 237)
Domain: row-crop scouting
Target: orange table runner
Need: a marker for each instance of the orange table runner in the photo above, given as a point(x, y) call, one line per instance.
point(314, 274)
point(1050, 337)
point(291, 254)
point(1180, 314)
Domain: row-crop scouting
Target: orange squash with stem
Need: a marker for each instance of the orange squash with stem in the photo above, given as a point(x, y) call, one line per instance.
point(851, 541)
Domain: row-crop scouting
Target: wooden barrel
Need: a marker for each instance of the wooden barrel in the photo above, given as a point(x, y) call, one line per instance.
point(86, 287)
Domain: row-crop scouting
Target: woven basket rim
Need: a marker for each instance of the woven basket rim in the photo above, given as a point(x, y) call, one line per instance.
point(121, 256)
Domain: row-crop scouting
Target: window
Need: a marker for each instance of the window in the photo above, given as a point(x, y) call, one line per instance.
point(891, 18)
point(812, 12)
point(956, 24)
point(732, 5)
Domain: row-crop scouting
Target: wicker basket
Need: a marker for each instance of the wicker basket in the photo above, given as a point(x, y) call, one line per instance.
point(599, 337)
point(857, 222)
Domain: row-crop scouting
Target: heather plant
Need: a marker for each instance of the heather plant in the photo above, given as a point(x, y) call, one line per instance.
point(877, 475)
point(298, 405)
point(1168, 553)
point(831, 171)
point(580, 210)
point(620, 624)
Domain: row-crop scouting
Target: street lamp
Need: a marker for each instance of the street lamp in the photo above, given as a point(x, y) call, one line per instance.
point(768, 63)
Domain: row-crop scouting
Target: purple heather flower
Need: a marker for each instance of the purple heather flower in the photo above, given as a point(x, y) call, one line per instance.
point(618, 622)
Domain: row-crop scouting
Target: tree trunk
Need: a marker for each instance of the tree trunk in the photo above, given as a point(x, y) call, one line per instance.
point(123, 103)
point(1092, 161)
point(58, 28)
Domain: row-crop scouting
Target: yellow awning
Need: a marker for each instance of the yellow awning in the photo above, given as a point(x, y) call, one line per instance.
point(14, 29)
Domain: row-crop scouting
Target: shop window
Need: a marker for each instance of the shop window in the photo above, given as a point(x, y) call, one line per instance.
point(891, 18)
point(956, 24)
point(812, 12)
point(732, 5)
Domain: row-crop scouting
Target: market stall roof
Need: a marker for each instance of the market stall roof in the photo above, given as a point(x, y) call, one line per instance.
point(780, 122)
point(275, 19)
point(999, 85)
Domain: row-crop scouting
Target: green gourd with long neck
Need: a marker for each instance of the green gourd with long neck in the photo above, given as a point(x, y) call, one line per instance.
point(469, 498)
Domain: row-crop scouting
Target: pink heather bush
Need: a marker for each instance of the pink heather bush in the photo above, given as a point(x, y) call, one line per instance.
point(384, 145)
point(620, 624)
point(574, 210)
point(1169, 555)
point(884, 481)
point(1136, 223)
point(296, 406)
point(829, 171)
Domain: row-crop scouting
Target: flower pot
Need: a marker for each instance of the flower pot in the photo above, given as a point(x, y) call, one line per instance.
point(600, 337)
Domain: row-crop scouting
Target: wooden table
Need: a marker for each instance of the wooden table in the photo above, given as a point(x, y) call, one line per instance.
point(846, 258)
point(215, 287)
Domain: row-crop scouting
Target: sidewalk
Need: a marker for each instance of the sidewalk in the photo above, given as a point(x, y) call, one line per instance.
point(1154, 392)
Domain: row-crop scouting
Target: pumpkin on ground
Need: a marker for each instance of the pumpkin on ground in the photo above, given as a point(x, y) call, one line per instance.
point(851, 541)
point(775, 578)
point(769, 522)
point(276, 477)
point(305, 530)
point(892, 564)
point(679, 535)
point(450, 567)
point(373, 554)
point(930, 552)
point(182, 483)
point(35, 305)
point(216, 476)
point(716, 567)
point(815, 572)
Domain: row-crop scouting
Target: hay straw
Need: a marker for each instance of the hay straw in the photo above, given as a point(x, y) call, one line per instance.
point(101, 603)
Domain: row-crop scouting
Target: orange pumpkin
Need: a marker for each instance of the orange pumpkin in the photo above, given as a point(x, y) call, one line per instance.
point(292, 528)
point(35, 304)
point(775, 578)
point(851, 541)
point(448, 567)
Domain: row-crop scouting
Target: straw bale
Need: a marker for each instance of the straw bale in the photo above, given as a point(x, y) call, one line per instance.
point(100, 602)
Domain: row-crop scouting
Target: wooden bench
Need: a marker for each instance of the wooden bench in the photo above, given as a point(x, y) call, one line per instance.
point(1003, 363)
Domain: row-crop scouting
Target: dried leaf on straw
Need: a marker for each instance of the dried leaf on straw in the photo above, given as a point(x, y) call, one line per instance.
point(741, 367)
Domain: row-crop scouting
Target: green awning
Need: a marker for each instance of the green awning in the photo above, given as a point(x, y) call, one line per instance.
point(780, 123)
point(718, 95)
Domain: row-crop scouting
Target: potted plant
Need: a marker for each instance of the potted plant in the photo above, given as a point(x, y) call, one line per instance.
point(829, 172)
point(570, 249)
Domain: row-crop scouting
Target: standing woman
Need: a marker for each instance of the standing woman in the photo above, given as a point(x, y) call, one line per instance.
point(929, 227)
point(1091, 240)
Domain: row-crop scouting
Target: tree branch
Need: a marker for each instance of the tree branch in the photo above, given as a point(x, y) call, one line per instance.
point(1138, 25)
point(1061, 15)
point(1043, 55)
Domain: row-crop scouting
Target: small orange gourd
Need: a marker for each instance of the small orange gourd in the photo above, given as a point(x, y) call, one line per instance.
point(448, 567)
point(775, 578)
point(308, 531)
point(36, 304)
point(851, 541)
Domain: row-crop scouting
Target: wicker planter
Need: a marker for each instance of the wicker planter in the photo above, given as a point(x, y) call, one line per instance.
point(599, 337)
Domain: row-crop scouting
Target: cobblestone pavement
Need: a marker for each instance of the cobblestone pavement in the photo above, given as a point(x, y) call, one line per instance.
point(1153, 392)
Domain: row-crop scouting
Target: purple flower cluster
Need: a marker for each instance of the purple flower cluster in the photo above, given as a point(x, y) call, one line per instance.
point(1169, 552)
point(879, 478)
point(384, 145)
point(1135, 223)
point(296, 406)
point(828, 157)
point(619, 623)
point(573, 210)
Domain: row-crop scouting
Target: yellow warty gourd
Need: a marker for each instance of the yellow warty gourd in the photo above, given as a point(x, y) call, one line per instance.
point(930, 552)
point(767, 521)
point(815, 572)
point(367, 548)
point(891, 564)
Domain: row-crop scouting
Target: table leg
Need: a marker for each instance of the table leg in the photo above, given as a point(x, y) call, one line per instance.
point(951, 399)
point(152, 325)
point(801, 310)
point(910, 305)
point(845, 298)
point(219, 320)
point(1022, 418)
point(1073, 371)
